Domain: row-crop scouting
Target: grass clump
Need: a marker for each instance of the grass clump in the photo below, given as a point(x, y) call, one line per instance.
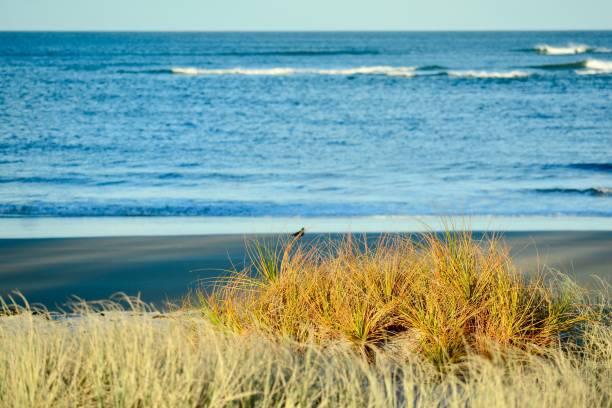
point(442, 297)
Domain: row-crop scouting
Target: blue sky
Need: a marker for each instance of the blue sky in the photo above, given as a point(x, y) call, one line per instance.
point(213, 15)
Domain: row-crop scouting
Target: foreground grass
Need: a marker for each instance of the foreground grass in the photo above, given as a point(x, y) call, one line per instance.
point(131, 359)
point(445, 322)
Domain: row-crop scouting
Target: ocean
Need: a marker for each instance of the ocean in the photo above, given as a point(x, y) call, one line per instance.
point(346, 124)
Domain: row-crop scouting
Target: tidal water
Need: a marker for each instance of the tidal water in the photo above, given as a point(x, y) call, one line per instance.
point(305, 124)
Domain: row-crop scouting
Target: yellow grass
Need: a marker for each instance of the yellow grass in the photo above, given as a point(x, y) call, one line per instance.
point(441, 297)
point(443, 322)
point(132, 359)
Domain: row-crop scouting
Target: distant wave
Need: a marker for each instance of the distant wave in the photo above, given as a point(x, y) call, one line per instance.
point(375, 70)
point(584, 67)
point(145, 71)
point(593, 191)
point(406, 72)
point(569, 49)
point(432, 68)
point(489, 74)
point(601, 167)
point(296, 53)
point(283, 71)
point(563, 66)
point(594, 167)
point(271, 53)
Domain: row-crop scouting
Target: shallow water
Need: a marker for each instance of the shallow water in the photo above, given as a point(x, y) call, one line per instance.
point(305, 124)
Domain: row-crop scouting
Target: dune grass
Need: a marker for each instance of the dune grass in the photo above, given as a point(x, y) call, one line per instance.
point(444, 322)
point(441, 297)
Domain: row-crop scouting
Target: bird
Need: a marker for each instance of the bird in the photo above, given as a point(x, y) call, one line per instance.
point(296, 237)
point(299, 234)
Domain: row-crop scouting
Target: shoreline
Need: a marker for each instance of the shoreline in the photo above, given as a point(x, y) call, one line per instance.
point(50, 270)
point(81, 227)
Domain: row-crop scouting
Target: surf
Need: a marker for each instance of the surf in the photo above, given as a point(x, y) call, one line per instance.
point(383, 70)
point(595, 67)
point(587, 66)
point(569, 49)
point(489, 74)
point(283, 71)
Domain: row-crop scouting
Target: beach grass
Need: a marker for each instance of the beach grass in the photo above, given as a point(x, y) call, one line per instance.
point(439, 321)
point(442, 297)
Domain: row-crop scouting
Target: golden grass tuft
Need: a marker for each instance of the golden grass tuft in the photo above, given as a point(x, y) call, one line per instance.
point(442, 297)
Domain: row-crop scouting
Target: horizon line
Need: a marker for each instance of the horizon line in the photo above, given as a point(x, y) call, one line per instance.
point(477, 30)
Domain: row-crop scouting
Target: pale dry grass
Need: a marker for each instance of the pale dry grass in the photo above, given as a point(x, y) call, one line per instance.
point(132, 359)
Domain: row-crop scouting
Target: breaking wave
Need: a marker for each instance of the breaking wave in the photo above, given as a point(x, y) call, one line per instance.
point(581, 67)
point(283, 71)
point(584, 67)
point(406, 72)
point(595, 67)
point(569, 49)
point(489, 74)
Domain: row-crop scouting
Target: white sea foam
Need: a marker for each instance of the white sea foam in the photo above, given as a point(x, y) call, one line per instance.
point(569, 49)
point(373, 70)
point(489, 74)
point(603, 190)
point(595, 67)
point(185, 71)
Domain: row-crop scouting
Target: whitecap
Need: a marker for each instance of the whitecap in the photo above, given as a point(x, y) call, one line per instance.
point(277, 71)
point(185, 71)
point(569, 49)
point(374, 70)
point(595, 67)
point(489, 74)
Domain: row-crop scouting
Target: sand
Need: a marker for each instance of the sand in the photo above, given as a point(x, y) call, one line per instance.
point(164, 268)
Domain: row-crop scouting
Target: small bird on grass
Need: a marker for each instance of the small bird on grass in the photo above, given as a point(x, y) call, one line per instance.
point(296, 236)
point(299, 234)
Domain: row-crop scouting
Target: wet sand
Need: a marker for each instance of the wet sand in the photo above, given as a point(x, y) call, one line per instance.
point(51, 270)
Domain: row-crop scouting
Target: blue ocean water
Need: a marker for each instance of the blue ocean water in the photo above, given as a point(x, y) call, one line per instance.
point(308, 124)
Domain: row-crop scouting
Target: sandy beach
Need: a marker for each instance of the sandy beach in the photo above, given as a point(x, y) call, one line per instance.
point(160, 268)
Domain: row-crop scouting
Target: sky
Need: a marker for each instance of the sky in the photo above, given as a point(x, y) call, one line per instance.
point(304, 15)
